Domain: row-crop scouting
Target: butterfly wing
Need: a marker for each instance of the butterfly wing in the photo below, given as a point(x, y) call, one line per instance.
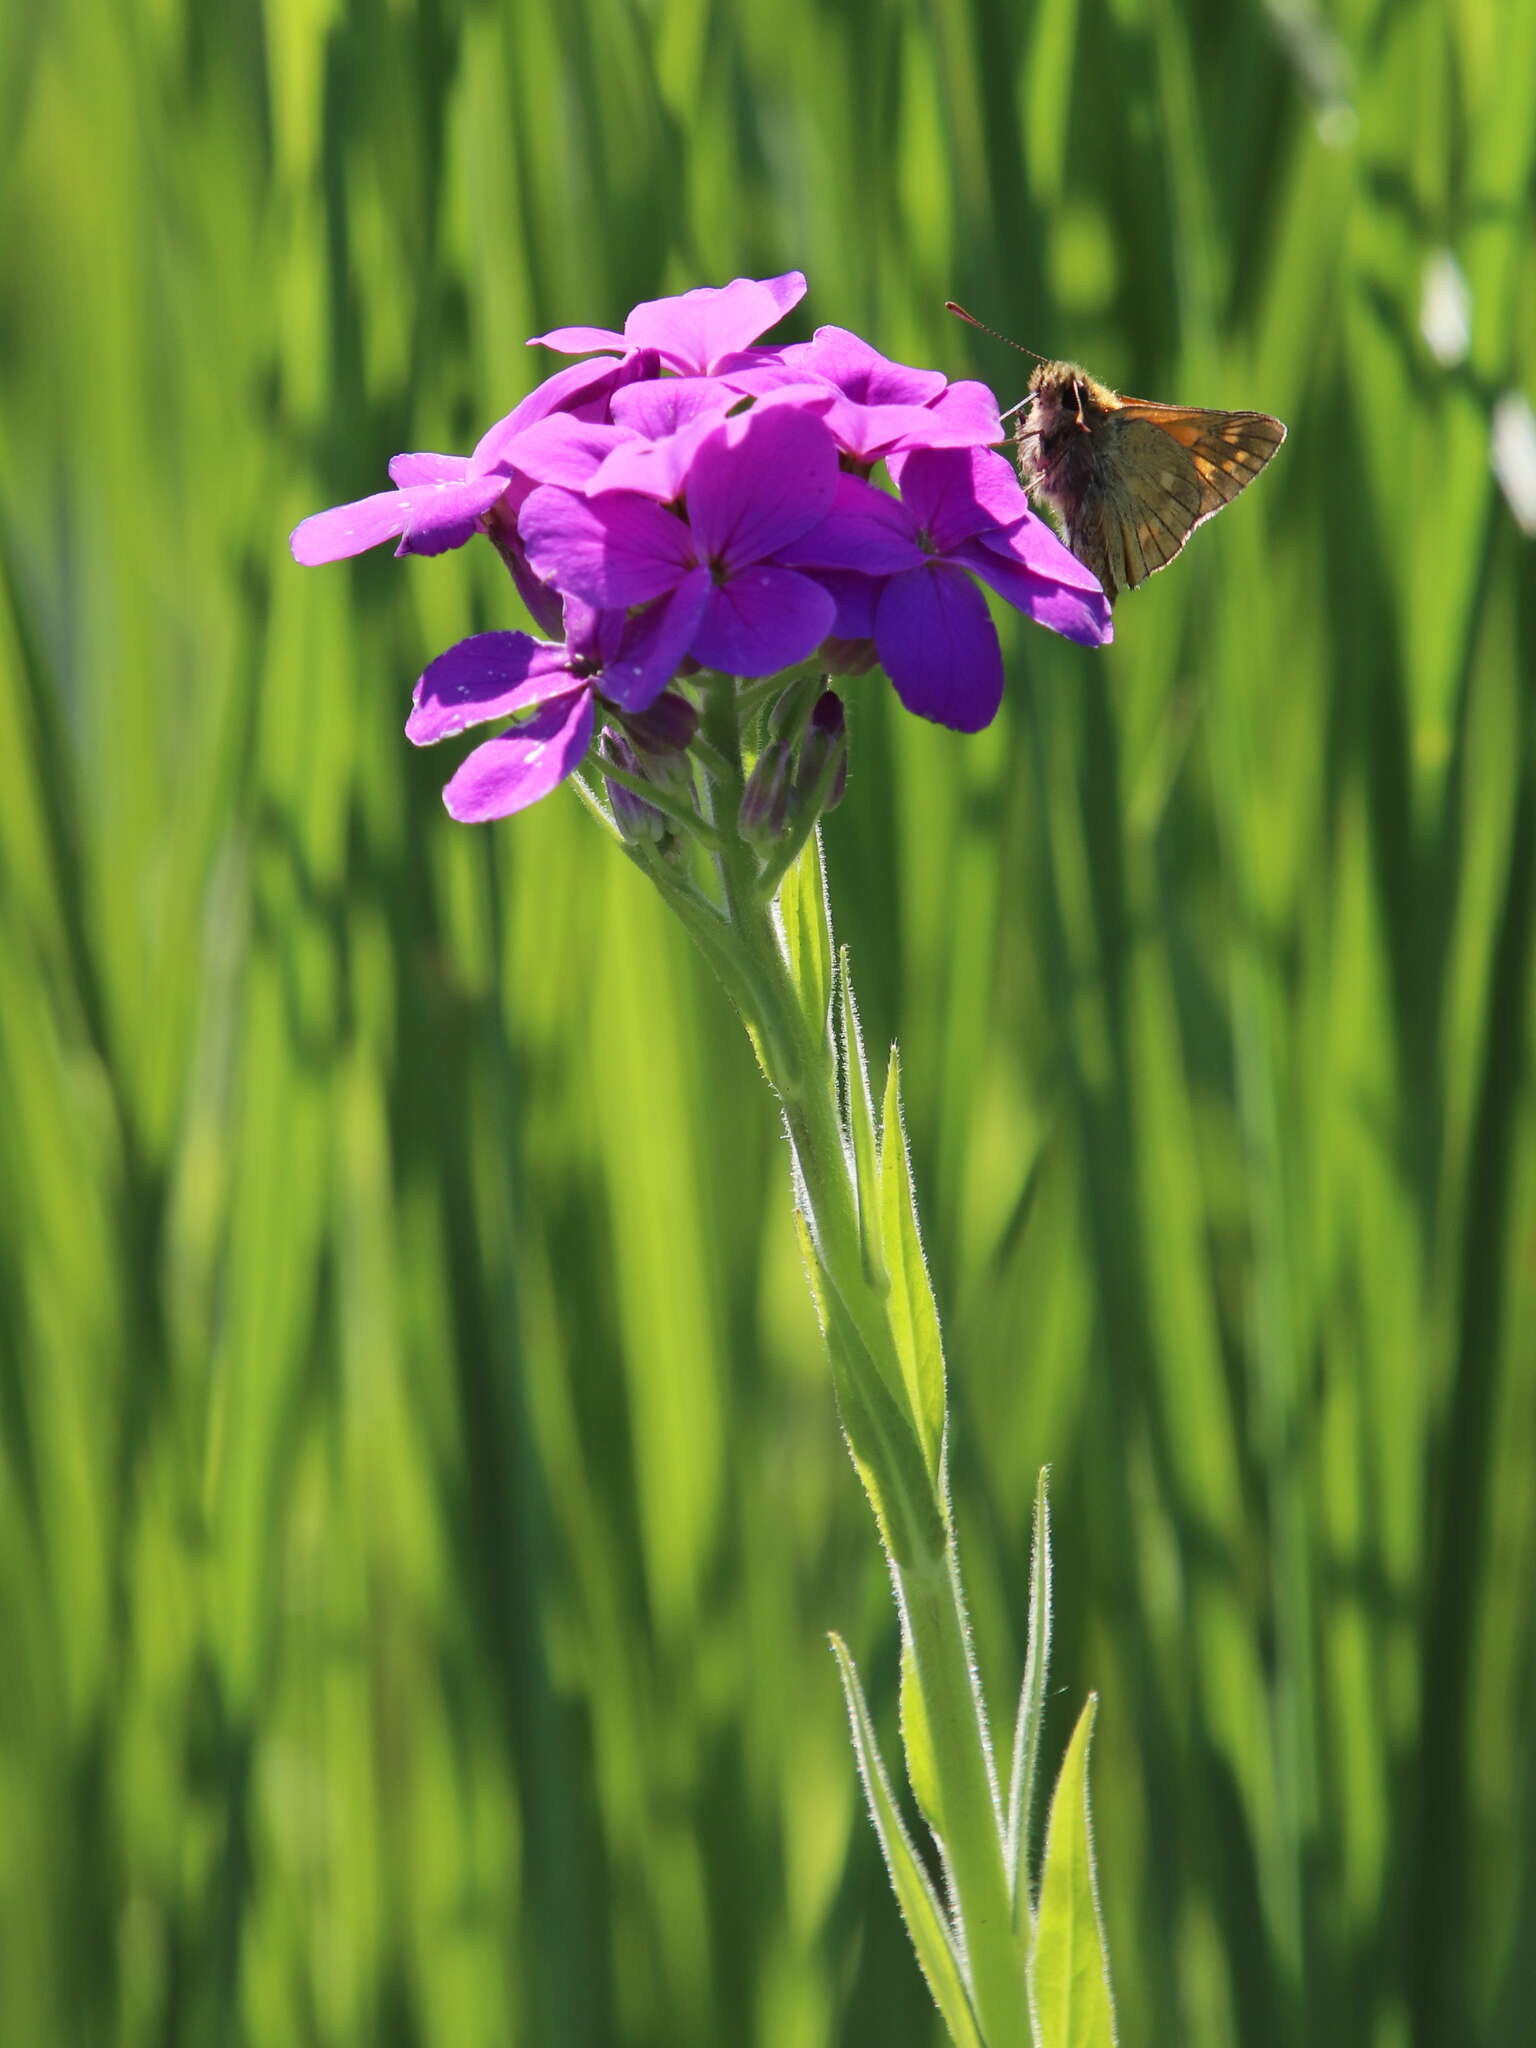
point(1170, 469)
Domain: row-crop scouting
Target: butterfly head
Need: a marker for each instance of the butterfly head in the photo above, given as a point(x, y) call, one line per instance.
point(1063, 395)
point(1059, 448)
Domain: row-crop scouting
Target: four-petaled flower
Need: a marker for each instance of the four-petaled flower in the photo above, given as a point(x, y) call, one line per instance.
point(755, 486)
point(906, 566)
point(606, 655)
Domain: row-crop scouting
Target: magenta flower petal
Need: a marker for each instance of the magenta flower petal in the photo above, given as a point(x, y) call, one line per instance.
point(654, 642)
point(444, 516)
point(940, 648)
point(516, 768)
point(541, 598)
point(564, 450)
point(759, 482)
point(668, 404)
point(855, 597)
point(759, 371)
point(428, 469)
point(616, 550)
point(786, 290)
point(349, 529)
point(762, 620)
point(955, 493)
point(489, 675)
point(866, 529)
point(1030, 544)
point(1069, 608)
point(577, 341)
point(866, 432)
point(861, 372)
point(592, 634)
point(965, 414)
point(582, 389)
point(428, 518)
point(655, 469)
point(695, 330)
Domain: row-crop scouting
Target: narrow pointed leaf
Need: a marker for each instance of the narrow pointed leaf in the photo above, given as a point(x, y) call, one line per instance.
point(1069, 1988)
point(917, 1742)
point(880, 1442)
point(806, 919)
point(913, 1311)
point(927, 1923)
point(861, 1126)
point(1026, 1734)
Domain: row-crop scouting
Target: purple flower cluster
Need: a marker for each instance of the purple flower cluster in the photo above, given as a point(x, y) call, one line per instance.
point(688, 498)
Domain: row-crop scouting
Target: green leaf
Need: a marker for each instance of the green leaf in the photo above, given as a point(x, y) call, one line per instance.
point(917, 1741)
point(1069, 1990)
point(927, 1922)
point(860, 1113)
point(914, 1314)
point(884, 1451)
point(807, 924)
point(1026, 1733)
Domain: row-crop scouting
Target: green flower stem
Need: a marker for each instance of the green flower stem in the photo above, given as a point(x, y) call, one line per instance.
point(968, 1819)
point(947, 1722)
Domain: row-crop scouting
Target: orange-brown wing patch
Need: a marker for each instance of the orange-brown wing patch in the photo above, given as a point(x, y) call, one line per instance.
point(1226, 449)
point(1146, 500)
point(1173, 467)
point(1162, 470)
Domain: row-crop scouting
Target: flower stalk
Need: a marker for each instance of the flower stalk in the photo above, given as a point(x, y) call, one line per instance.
point(694, 513)
point(944, 1717)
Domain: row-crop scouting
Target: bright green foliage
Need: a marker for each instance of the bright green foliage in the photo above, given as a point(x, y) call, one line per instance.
point(421, 1505)
point(914, 1314)
point(1023, 1776)
point(1069, 1990)
point(808, 933)
point(920, 1909)
point(863, 1132)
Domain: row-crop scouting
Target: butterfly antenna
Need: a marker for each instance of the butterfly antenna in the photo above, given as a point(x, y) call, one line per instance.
point(960, 313)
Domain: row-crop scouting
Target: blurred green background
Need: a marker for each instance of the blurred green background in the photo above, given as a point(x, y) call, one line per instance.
point(421, 1504)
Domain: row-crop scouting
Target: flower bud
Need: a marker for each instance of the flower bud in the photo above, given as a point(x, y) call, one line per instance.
point(671, 721)
point(662, 735)
point(641, 823)
point(765, 800)
point(826, 743)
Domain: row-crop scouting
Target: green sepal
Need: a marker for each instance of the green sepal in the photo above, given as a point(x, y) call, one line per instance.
point(914, 1314)
point(927, 1923)
point(1071, 2005)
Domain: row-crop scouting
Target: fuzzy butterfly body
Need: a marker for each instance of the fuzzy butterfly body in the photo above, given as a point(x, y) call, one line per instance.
point(1129, 480)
